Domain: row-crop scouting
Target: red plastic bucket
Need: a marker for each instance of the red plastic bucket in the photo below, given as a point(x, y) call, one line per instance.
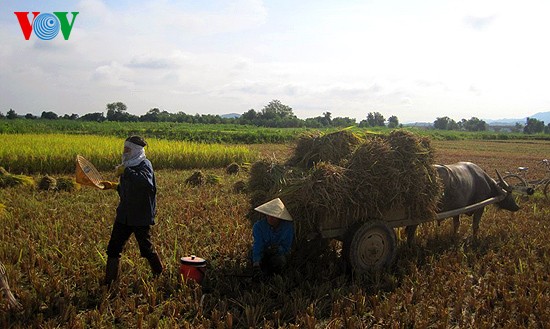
point(193, 268)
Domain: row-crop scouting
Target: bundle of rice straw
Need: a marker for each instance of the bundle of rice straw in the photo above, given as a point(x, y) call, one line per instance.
point(10, 180)
point(212, 179)
point(196, 179)
point(265, 175)
point(233, 168)
point(395, 171)
point(199, 179)
point(316, 147)
point(239, 187)
point(380, 174)
point(47, 183)
point(67, 184)
point(321, 195)
point(266, 180)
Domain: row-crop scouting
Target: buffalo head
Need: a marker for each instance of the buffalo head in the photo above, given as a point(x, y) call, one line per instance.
point(508, 203)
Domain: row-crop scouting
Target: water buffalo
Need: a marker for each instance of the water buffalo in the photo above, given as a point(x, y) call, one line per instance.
point(464, 184)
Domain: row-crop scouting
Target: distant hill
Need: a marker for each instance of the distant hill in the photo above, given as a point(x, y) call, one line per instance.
point(230, 115)
point(541, 116)
point(504, 122)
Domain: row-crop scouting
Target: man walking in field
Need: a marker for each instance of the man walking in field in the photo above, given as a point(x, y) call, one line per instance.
point(273, 237)
point(137, 208)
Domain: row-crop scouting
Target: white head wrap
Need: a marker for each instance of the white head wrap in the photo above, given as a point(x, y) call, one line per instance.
point(135, 156)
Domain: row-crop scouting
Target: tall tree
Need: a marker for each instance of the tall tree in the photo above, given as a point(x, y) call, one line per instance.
point(277, 110)
point(533, 126)
point(444, 123)
point(249, 117)
point(474, 124)
point(97, 116)
point(375, 119)
point(151, 115)
point(393, 122)
point(327, 119)
point(11, 114)
point(117, 112)
point(343, 122)
point(49, 115)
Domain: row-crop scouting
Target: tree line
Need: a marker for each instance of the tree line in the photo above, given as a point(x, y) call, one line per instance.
point(274, 114)
point(532, 125)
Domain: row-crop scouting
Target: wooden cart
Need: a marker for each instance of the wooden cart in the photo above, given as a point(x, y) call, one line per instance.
point(371, 244)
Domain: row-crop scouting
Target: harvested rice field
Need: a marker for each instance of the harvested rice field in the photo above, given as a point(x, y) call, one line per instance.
point(53, 246)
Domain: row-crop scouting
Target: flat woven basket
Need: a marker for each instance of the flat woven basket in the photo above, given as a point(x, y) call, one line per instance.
point(87, 174)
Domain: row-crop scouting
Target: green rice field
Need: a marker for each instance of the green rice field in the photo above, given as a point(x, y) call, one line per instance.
point(56, 153)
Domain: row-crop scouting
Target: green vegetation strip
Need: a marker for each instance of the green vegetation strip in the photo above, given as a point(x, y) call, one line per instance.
point(227, 133)
point(55, 153)
point(205, 133)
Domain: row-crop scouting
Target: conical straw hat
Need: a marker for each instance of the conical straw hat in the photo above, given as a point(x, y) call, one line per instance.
point(275, 208)
point(87, 174)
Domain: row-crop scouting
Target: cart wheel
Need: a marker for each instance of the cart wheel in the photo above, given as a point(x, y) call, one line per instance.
point(517, 182)
point(370, 246)
point(514, 181)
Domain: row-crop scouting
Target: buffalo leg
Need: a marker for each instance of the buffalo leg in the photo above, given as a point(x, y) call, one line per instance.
point(477, 219)
point(410, 230)
point(456, 224)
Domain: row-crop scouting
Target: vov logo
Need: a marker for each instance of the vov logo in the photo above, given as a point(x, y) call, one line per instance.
point(46, 26)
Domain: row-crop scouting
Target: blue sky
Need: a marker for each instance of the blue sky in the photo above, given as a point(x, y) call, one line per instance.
point(418, 60)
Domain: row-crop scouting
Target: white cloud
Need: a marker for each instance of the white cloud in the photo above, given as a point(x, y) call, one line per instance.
point(151, 62)
point(226, 17)
point(479, 23)
point(113, 75)
point(476, 91)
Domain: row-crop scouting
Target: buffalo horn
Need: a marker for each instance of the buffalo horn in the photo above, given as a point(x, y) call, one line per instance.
point(506, 186)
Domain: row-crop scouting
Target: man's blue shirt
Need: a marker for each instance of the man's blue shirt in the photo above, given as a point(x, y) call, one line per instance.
point(265, 236)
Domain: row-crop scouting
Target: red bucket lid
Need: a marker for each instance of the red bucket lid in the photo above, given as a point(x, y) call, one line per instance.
point(193, 261)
